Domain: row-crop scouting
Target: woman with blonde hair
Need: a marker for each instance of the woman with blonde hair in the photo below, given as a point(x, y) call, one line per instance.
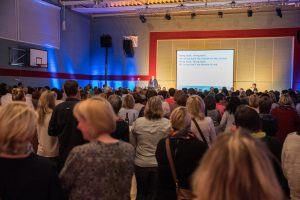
point(253, 102)
point(23, 174)
point(147, 131)
point(47, 145)
point(127, 112)
point(202, 126)
point(186, 151)
point(102, 168)
point(287, 118)
point(236, 167)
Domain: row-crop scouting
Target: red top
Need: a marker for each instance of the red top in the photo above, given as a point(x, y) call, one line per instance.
point(288, 121)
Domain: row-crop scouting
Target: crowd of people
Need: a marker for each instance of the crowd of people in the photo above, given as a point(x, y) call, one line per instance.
point(88, 143)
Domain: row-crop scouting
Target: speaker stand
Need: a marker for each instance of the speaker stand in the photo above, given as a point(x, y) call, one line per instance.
point(106, 61)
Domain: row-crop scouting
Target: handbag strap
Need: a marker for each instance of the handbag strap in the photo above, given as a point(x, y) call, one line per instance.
point(171, 162)
point(199, 130)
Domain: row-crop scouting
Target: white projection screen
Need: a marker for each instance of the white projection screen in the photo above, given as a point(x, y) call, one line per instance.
point(203, 69)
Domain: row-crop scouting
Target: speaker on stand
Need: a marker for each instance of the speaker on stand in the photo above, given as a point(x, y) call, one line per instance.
point(105, 42)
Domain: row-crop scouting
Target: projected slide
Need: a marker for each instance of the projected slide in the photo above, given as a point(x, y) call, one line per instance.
point(203, 69)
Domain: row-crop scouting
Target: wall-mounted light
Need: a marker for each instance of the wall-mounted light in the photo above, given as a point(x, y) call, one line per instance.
point(193, 15)
point(168, 16)
point(250, 12)
point(220, 14)
point(143, 18)
point(278, 12)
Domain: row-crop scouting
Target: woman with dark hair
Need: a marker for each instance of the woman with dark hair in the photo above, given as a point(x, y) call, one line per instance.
point(186, 151)
point(268, 122)
point(228, 118)
point(211, 111)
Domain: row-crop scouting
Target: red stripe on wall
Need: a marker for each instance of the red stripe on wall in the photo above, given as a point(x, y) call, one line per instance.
point(153, 39)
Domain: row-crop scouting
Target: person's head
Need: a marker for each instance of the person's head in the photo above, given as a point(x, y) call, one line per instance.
point(172, 92)
point(116, 102)
point(180, 118)
point(210, 102)
point(128, 101)
point(46, 105)
point(196, 107)
point(180, 97)
point(18, 94)
point(150, 93)
point(253, 101)
point(220, 98)
point(153, 109)
point(285, 100)
point(95, 117)
point(265, 104)
point(236, 167)
point(248, 118)
point(71, 88)
point(232, 104)
point(18, 125)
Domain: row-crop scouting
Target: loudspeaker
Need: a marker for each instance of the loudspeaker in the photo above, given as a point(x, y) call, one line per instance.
point(298, 36)
point(105, 41)
point(128, 48)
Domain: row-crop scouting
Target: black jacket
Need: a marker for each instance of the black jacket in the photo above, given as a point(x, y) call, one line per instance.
point(64, 125)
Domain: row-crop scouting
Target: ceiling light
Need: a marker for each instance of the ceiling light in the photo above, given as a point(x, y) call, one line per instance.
point(168, 16)
point(250, 13)
point(278, 12)
point(143, 18)
point(193, 15)
point(220, 14)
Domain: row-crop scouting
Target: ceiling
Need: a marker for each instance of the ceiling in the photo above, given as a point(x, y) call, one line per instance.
point(100, 8)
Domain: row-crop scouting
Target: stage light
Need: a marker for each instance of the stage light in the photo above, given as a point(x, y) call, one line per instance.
point(250, 13)
point(278, 12)
point(220, 14)
point(143, 18)
point(168, 16)
point(193, 15)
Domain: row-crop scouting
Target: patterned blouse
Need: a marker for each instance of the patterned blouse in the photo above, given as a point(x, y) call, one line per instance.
point(99, 171)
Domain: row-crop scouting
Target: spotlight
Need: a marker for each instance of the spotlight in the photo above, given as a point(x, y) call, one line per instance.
point(220, 14)
point(278, 12)
point(250, 13)
point(168, 16)
point(193, 15)
point(143, 18)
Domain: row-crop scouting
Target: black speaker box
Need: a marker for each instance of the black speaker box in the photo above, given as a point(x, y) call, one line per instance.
point(298, 36)
point(128, 48)
point(105, 41)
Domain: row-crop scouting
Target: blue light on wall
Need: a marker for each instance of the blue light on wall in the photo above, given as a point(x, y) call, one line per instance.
point(52, 67)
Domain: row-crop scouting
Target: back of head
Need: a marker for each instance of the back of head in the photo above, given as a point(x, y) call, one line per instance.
point(236, 167)
point(253, 100)
point(71, 88)
point(18, 94)
point(180, 118)
point(247, 118)
point(195, 106)
point(17, 125)
point(151, 93)
point(210, 102)
point(233, 103)
point(153, 109)
point(98, 113)
point(285, 100)
point(128, 101)
point(172, 92)
point(46, 104)
point(220, 97)
point(265, 104)
point(116, 102)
